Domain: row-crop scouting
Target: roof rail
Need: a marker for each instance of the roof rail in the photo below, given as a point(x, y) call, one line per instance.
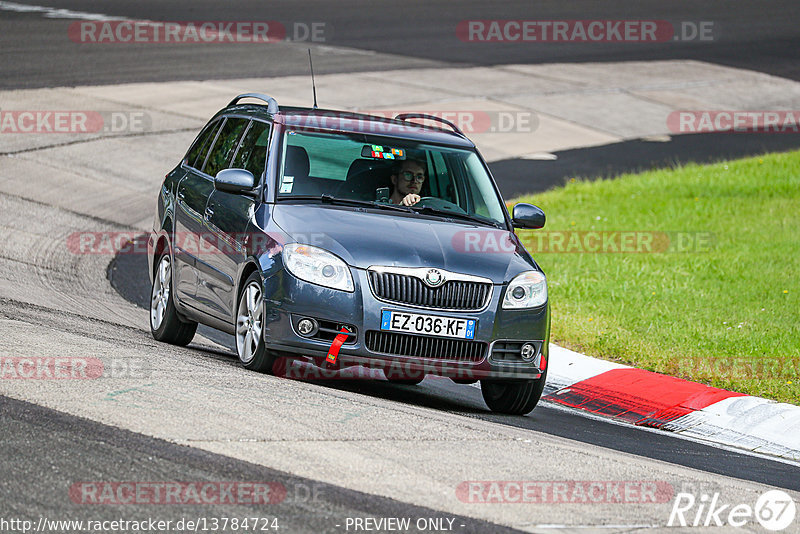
point(404, 116)
point(272, 104)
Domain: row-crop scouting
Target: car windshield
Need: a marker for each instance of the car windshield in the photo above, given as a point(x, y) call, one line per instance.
point(375, 169)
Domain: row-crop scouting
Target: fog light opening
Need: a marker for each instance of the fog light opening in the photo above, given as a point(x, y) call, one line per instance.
point(528, 352)
point(307, 327)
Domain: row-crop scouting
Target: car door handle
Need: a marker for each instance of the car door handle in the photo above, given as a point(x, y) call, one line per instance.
point(209, 212)
point(181, 194)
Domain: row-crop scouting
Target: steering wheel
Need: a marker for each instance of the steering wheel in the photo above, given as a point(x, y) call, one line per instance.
point(439, 204)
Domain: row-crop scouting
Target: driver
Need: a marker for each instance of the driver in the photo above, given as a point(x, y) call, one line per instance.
point(407, 181)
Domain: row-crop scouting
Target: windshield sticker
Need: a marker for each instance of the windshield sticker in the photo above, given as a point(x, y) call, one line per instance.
point(286, 184)
point(382, 152)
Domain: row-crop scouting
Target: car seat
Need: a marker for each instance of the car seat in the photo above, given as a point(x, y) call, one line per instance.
point(364, 177)
point(297, 165)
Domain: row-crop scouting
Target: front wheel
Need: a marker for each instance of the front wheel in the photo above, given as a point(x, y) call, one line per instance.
point(250, 347)
point(165, 324)
point(513, 398)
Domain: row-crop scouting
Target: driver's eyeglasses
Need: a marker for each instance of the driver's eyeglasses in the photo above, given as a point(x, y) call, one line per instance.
point(408, 176)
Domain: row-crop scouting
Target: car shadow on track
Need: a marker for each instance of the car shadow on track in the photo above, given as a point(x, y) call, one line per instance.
point(434, 392)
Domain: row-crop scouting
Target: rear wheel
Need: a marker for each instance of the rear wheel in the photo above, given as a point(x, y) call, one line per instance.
point(513, 398)
point(250, 346)
point(165, 324)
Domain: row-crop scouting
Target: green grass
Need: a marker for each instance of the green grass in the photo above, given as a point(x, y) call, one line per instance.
point(726, 313)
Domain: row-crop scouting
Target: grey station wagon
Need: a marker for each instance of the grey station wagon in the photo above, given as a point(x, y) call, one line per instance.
point(317, 236)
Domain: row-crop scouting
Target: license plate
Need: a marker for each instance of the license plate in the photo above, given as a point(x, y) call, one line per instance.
point(433, 325)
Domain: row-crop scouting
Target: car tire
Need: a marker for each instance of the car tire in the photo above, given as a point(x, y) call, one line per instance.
point(512, 398)
point(165, 323)
point(250, 347)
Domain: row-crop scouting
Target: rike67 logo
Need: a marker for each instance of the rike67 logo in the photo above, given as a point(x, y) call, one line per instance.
point(774, 510)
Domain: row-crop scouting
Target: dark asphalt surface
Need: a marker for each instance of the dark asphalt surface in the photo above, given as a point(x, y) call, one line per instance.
point(37, 51)
point(128, 274)
point(518, 176)
point(43, 453)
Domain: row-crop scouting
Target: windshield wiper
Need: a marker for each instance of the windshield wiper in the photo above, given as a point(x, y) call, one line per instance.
point(330, 199)
point(457, 215)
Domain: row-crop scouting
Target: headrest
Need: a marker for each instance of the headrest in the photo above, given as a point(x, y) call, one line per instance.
point(296, 162)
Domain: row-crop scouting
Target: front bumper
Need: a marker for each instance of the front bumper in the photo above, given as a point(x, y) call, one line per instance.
point(288, 299)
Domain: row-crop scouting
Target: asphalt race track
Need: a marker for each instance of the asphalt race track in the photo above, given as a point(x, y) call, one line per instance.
point(340, 449)
point(637, 155)
point(420, 33)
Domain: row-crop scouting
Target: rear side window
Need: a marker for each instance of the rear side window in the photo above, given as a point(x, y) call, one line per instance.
point(252, 154)
point(197, 154)
point(225, 146)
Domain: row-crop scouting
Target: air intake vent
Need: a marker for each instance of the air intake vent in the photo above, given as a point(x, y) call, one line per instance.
point(455, 350)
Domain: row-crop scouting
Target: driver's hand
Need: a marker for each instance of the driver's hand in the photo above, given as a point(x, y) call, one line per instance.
point(410, 199)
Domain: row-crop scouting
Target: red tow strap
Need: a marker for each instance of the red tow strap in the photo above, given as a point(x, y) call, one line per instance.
point(333, 352)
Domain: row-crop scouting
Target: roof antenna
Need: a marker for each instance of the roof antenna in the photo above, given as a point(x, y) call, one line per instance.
point(313, 85)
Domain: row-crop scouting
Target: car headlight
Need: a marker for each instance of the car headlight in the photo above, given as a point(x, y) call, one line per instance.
point(526, 290)
point(317, 266)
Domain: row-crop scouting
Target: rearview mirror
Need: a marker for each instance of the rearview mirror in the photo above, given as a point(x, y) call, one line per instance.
point(527, 216)
point(234, 181)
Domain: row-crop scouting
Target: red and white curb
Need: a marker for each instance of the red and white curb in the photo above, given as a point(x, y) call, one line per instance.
point(689, 409)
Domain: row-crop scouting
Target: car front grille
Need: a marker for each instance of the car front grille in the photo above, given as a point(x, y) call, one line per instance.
point(455, 350)
point(452, 295)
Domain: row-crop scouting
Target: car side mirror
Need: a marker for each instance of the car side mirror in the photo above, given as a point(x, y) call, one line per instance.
point(234, 181)
point(527, 216)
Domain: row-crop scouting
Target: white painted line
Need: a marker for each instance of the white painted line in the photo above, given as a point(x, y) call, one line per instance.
point(56, 13)
point(541, 156)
